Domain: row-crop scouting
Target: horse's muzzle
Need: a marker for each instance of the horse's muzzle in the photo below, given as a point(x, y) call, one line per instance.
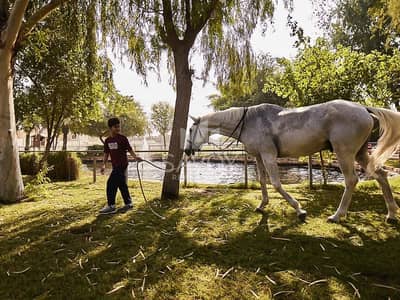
point(189, 151)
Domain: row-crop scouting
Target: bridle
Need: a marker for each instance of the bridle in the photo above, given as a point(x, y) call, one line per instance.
point(239, 124)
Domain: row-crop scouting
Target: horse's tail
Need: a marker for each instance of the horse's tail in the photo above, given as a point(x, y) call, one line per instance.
point(389, 123)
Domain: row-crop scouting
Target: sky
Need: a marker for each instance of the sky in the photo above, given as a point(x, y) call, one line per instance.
point(276, 41)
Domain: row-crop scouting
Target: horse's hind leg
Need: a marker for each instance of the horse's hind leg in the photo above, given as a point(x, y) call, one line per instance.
point(346, 162)
point(273, 171)
point(263, 183)
point(380, 176)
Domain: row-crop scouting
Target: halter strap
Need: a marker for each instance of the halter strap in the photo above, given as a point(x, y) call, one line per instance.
point(241, 122)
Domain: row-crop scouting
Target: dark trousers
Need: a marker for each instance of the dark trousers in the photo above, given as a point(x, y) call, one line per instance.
point(118, 180)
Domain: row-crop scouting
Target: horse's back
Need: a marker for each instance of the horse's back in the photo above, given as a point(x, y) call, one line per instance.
point(348, 118)
point(305, 130)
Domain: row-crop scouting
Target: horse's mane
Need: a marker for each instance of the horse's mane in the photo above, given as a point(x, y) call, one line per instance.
point(227, 116)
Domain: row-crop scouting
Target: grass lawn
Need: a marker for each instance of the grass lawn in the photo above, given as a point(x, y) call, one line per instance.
point(393, 163)
point(211, 246)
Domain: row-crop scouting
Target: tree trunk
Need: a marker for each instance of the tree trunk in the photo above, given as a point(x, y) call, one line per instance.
point(55, 144)
point(47, 147)
point(170, 188)
point(165, 142)
point(28, 139)
point(65, 130)
point(11, 185)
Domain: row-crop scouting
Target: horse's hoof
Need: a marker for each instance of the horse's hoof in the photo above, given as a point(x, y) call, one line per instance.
point(259, 210)
point(392, 221)
point(332, 219)
point(302, 217)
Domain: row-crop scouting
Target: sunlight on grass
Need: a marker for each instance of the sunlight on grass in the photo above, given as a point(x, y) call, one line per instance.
point(211, 245)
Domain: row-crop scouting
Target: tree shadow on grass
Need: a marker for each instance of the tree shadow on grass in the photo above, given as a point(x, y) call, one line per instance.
point(80, 256)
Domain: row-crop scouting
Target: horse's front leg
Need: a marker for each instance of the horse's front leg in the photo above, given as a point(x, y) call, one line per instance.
point(271, 166)
point(263, 182)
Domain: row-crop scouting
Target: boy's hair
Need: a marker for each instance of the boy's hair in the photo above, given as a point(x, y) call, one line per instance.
point(112, 122)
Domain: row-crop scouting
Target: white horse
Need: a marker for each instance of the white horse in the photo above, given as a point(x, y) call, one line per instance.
point(270, 131)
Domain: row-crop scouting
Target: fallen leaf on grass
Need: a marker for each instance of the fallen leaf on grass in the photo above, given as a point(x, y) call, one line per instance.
point(58, 250)
point(143, 284)
point(227, 272)
point(386, 287)
point(318, 282)
point(254, 294)
point(115, 289)
point(301, 279)
point(270, 280)
point(19, 272)
point(356, 292)
point(190, 254)
point(283, 293)
point(280, 239)
point(113, 262)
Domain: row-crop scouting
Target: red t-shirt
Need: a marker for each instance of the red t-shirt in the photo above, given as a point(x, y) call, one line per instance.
point(117, 147)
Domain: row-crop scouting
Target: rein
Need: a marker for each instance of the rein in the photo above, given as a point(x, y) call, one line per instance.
point(141, 186)
point(241, 124)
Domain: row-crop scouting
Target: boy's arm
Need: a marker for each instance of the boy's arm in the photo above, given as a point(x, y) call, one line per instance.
point(105, 159)
point(132, 152)
point(134, 155)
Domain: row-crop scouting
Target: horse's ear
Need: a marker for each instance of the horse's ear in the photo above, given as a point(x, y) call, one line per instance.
point(195, 120)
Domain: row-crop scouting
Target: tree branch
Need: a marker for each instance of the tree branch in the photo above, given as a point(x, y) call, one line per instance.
point(188, 15)
point(206, 16)
point(4, 13)
point(41, 14)
point(171, 36)
point(194, 29)
point(14, 23)
point(35, 83)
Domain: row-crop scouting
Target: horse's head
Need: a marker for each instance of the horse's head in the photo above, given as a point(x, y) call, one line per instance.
point(197, 136)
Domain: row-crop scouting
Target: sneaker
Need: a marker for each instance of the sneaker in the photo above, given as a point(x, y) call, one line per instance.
point(125, 208)
point(108, 210)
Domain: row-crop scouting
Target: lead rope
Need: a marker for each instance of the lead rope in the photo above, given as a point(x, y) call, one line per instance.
point(141, 185)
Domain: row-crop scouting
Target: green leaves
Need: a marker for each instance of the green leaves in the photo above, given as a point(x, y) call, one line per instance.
point(363, 25)
point(56, 80)
point(133, 119)
point(394, 13)
point(245, 88)
point(162, 114)
point(320, 74)
point(143, 30)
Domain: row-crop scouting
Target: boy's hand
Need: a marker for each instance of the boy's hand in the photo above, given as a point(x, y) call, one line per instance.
point(138, 158)
point(103, 167)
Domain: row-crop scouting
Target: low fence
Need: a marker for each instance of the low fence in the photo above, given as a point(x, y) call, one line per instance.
point(240, 156)
point(95, 157)
point(217, 155)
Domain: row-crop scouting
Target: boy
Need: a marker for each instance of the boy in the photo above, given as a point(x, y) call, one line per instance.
point(117, 146)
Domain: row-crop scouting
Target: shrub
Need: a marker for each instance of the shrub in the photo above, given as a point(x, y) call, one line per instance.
point(29, 163)
point(36, 187)
point(64, 166)
point(96, 147)
point(89, 155)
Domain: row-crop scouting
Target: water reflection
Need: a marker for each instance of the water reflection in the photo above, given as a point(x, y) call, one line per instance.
point(224, 173)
